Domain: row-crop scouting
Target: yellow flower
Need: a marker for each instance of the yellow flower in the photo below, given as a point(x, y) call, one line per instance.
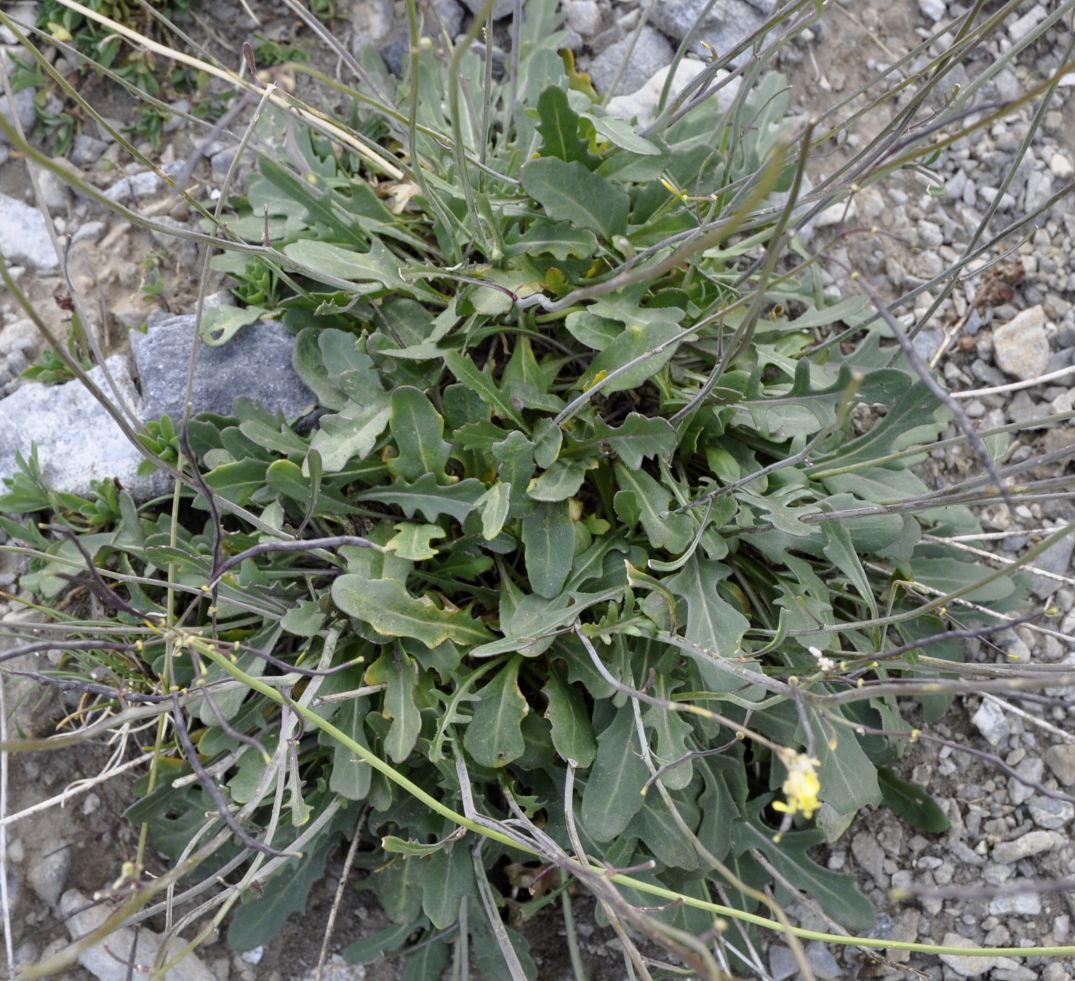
point(801, 787)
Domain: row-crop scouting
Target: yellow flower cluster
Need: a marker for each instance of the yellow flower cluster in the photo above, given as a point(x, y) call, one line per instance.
point(801, 787)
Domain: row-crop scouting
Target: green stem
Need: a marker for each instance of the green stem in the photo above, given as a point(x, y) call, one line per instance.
point(648, 888)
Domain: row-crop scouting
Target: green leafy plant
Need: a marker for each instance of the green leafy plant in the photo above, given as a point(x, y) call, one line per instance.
point(604, 559)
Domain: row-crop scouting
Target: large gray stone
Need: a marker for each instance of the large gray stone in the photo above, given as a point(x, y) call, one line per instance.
point(651, 53)
point(642, 104)
point(1021, 346)
point(23, 110)
point(729, 22)
point(255, 364)
point(77, 440)
point(108, 960)
point(1026, 846)
point(24, 239)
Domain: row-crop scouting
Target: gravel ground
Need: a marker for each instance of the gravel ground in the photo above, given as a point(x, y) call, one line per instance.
point(1009, 802)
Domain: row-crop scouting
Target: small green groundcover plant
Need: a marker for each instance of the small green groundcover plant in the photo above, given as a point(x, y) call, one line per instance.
point(601, 566)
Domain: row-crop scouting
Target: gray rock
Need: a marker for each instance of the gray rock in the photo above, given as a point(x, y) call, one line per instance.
point(935, 10)
point(930, 234)
point(1032, 769)
point(1061, 760)
point(24, 238)
point(991, 722)
point(132, 188)
point(55, 194)
point(1056, 559)
point(729, 22)
point(642, 103)
point(1039, 188)
point(48, 874)
point(970, 967)
point(1050, 813)
point(1020, 904)
point(77, 441)
point(782, 963)
point(23, 110)
point(822, 961)
point(651, 53)
point(1021, 346)
point(89, 231)
point(255, 364)
point(926, 342)
point(19, 335)
point(372, 22)
point(1027, 845)
point(870, 855)
point(582, 16)
point(1022, 26)
point(451, 16)
point(500, 9)
point(87, 150)
point(108, 960)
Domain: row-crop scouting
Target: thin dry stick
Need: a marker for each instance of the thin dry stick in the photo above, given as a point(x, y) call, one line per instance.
point(1034, 720)
point(215, 793)
point(337, 899)
point(1016, 386)
point(80, 787)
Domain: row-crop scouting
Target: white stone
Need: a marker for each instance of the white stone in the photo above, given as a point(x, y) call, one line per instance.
point(1061, 167)
point(935, 10)
point(108, 959)
point(77, 440)
point(973, 966)
point(991, 722)
point(583, 16)
point(1026, 846)
point(642, 104)
point(1021, 346)
point(24, 239)
point(1020, 28)
point(1020, 904)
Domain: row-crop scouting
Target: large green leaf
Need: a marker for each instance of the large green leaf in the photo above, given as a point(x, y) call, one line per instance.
point(392, 612)
point(560, 239)
point(571, 192)
point(448, 877)
point(494, 737)
point(237, 481)
point(915, 417)
point(613, 792)
point(572, 733)
point(375, 269)
point(911, 802)
point(561, 481)
point(417, 429)
point(848, 778)
point(414, 542)
point(399, 673)
point(259, 921)
point(643, 499)
point(638, 439)
point(351, 433)
point(712, 622)
point(482, 383)
point(549, 546)
point(636, 342)
point(559, 129)
point(350, 777)
point(837, 894)
point(425, 495)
